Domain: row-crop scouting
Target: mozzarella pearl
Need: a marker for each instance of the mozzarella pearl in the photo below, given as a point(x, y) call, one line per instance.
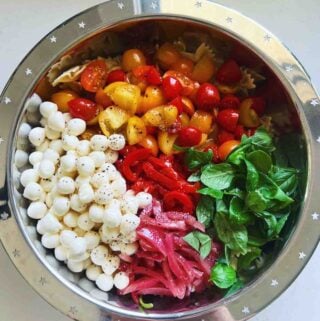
point(67, 237)
point(76, 126)
point(33, 102)
point(112, 215)
point(116, 141)
point(110, 170)
point(104, 282)
point(33, 191)
point(48, 183)
point(56, 145)
point(56, 121)
point(48, 224)
point(129, 205)
point(68, 163)
point(76, 205)
point(121, 280)
point(129, 223)
point(51, 155)
point(109, 234)
point(144, 199)
point(93, 272)
point(50, 241)
point(71, 219)
point(20, 158)
point(80, 180)
point(24, 130)
point(70, 142)
point(99, 179)
point(61, 205)
point(96, 213)
point(84, 222)
point(83, 148)
point(130, 237)
point(61, 253)
point(103, 194)
point(86, 193)
point(37, 210)
point(92, 239)
point(85, 166)
point(98, 255)
point(47, 108)
point(119, 187)
point(75, 267)
point(37, 136)
point(78, 246)
point(50, 133)
point(111, 264)
point(99, 143)
point(35, 157)
point(111, 156)
point(128, 248)
point(46, 168)
point(66, 185)
point(67, 117)
point(98, 157)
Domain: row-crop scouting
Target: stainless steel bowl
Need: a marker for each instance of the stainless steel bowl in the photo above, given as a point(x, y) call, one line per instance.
point(78, 297)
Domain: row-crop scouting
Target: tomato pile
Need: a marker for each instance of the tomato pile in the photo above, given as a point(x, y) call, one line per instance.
point(159, 102)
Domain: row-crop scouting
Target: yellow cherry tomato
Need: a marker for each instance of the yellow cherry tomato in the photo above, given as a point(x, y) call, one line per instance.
point(248, 116)
point(153, 97)
point(185, 119)
point(61, 98)
point(188, 105)
point(167, 55)
point(161, 116)
point(151, 143)
point(203, 70)
point(202, 120)
point(136, 130)
point(166, 142)
point(132, 58)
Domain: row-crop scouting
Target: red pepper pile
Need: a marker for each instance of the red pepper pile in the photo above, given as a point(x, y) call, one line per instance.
point(159, 176)
point(165, 264)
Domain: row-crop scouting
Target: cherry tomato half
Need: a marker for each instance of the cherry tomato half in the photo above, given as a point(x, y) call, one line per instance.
point(229, 73)
point(116, 75)
point(207, 96)
point(226, 148)
point(189, 136)
point(102, 98)
point(83, 108)
point(229, 101)
point(94, 76)
point(132, 58)
point(171, 87)
point(228, 119)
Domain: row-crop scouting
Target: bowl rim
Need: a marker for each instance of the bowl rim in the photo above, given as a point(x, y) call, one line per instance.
point(294, 255)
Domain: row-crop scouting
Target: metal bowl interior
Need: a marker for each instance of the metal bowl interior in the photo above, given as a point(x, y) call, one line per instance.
point(287, 104)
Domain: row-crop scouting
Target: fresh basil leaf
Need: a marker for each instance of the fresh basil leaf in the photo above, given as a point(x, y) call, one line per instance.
point(236, 192)
point(194, 177)
point(256, 240)
point(211, 192)
point(260, 160)
point(238, 154)
point(285, 178)
point(237, 286)
point(223, 276)
point(192, 240)
point(252, 176)
point(261, 140)
point(281, 223)
point(256, 201)
point(235, 236)
point(245, 261)
point(221, 207)
point(180, 148)
point(218, 177)
point(205, 210)
point(238, 212)
point(195, 158)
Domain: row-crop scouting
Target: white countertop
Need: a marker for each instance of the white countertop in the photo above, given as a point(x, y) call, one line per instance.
point(24, 22)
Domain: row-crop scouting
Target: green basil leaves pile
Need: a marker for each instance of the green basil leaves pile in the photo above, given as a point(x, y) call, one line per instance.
point(246, 200)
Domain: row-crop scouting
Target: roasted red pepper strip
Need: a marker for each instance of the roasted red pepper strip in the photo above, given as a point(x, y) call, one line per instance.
point(131, 159)
point(178, 201)
point(159, 178)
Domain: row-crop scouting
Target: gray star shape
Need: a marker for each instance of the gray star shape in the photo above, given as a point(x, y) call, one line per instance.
point(4, 216)
point(198, 4)
point(73, 310)
point(267, 38)
point(7, 100)
point(43, 281)
point(229, 20)
point(16, 253)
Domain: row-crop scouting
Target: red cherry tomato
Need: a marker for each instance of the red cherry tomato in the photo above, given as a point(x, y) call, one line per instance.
point(229, 73)
point(171, 87)
point(116, 75)
point(207, 96)
point(224, 136)
point(189, 136)
point(148, 73)
point(94, 76)
point(239, 131)
point(83, 108)
point(214, 148)
point(189, 87)
point(228, 119)
point(226, 148)
point(151, 130)
point(229, 101)
point(258, 105)
point(178, 103)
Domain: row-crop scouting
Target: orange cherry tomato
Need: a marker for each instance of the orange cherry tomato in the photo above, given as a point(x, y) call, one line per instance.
point(133, 58)
point(184, 119)
point(102, 98)
point(183, 65)
point(167, 55)
point(151, 143)
point(203, 70)
point(226, 148)
point(94, 76)
point(61, 98)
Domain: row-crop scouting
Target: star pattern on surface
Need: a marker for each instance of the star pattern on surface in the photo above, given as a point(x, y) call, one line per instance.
point(153, 5)
point(82, 25)
point(28, 72)
point(229, 20)
point(7, 100)
point(73, 310)
point(120, 5)
point(4, 216)
point(43, 281)
point(274, 283)
point(53, 39)
point(245, 310)
point(1, 140)
point(288, 68)
point(314, 102)
point(315, 216)
point(198, 4)
point(318, 139)
point(302, 255)
point(267, 38)
point(16, 253)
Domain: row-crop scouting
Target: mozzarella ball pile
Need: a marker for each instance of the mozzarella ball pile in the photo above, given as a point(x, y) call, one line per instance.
point(85, 213)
